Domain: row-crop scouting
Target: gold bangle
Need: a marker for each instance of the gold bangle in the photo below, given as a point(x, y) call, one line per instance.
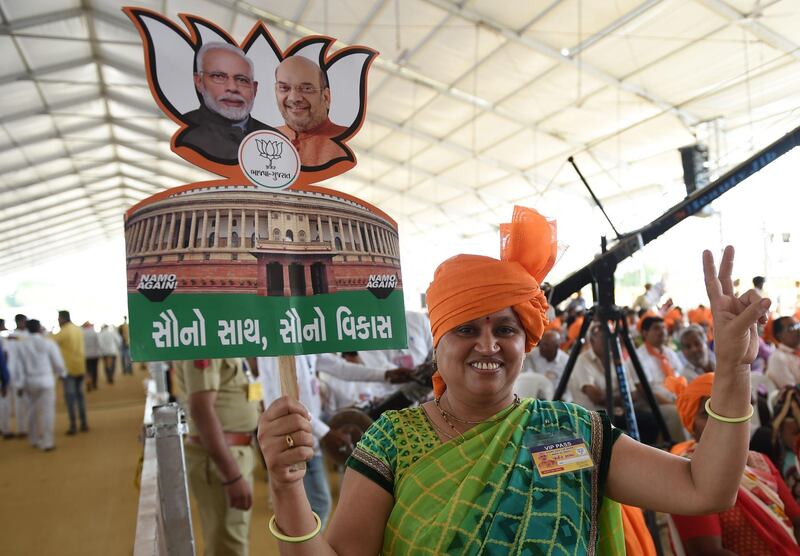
point(733, 420)
point(273, 528)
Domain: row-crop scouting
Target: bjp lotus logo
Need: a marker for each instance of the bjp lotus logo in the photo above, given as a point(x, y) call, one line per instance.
point(269, 149)
point(283, 160)
point(220, 91)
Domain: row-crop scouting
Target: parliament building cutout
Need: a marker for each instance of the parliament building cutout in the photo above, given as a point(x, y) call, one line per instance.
point(240, 239)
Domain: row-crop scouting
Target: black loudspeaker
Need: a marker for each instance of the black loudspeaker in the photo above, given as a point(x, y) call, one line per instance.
point(695, 167)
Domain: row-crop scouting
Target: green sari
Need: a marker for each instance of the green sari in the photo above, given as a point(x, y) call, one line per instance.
point(481, 494)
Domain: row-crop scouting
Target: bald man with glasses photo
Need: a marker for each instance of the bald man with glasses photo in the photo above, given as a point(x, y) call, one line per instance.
point(303, 95)
point(224, 80)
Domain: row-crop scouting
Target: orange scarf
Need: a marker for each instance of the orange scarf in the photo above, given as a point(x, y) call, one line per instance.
point(673, 382)
point(466, 287)
point(688, 401)
point(572, 333)
point(638, 540)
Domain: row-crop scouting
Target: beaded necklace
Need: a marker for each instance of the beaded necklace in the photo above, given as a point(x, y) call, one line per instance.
point(447, 416)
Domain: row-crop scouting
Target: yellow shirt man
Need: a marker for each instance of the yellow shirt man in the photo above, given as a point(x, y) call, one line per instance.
point(70, 341)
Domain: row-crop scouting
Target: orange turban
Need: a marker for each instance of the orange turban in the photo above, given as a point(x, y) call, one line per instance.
point(646, 315)
point(769, 331)
point(688, 402)
point(466, 287)
point(672, 317)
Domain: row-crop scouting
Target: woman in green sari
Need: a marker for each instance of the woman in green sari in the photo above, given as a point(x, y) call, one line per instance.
point(478, 471)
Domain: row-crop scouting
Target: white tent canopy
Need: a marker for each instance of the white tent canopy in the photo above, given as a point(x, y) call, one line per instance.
point(473, 106)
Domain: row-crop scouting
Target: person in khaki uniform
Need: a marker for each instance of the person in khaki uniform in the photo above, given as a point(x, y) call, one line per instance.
point(220, 457)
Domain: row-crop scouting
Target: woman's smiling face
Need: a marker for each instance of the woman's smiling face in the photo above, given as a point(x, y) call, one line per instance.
point(482, 357)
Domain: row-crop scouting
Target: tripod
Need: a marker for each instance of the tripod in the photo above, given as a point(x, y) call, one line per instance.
point(614, 327)
point(605, 311)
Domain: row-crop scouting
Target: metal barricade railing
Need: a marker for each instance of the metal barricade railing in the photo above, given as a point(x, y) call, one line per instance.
point(164, 524)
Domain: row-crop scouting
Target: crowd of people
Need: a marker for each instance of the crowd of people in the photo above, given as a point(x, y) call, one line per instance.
point(474, 468)
point(406, 482)
point(223, 405)
point(485, 412)
point(31, 360)
point(678, 353)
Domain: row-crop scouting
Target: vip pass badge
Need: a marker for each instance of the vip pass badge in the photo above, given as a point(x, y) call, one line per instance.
point(269, 160)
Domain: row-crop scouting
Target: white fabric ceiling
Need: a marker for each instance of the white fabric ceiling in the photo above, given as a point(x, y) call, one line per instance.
point(472, 106)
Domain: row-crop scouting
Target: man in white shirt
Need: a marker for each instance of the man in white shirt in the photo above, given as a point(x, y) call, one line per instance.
point(587, 384)
point(783, 366)
point(588, 387)
point(91, 350)
point(547, 358)
point(697, 359)
point(40, 361)
point(109, 342)
point(420, 343)
point(16, 401)
point(534, 385)
point(658, 359)
point(368, 376)
point(315, 479)
point(651, 296)
point(661, 367)
point(758, 286)
point(5, 387)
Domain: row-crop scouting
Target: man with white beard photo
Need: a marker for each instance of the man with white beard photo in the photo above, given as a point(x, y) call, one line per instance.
point(224, 80)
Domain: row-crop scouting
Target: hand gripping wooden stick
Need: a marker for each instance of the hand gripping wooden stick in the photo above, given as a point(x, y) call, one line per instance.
point(287, 368)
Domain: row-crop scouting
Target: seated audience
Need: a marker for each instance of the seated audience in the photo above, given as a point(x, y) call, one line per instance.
point(765, 518)
point(786, 437)
point(696, 357)
point(783, 366)
point(588, 388)
point(534, 385)
point(662, 367)
point(547, 359)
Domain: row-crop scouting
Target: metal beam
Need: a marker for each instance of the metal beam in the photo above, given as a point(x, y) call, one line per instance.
point(374, 12)
point(550, 52)
point(614, 26)
point(53, 133)
point(29, 75)
point(23, 240)
point(71, 187)
point(47, 106)
point(42, 19)
point(46, 252)
point(749, 22)
point(48, 110)
point(47, 177)
point(541, 14)
point(25, 218)
point(62, 229)
point(34, 240)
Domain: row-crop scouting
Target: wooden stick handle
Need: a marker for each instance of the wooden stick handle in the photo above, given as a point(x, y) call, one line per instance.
point(287, 368)
point(288, 372)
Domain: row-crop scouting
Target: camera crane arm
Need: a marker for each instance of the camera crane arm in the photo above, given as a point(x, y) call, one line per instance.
point(604, 264)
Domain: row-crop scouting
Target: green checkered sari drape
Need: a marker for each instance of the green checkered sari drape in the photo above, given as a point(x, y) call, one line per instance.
point(481, 494)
